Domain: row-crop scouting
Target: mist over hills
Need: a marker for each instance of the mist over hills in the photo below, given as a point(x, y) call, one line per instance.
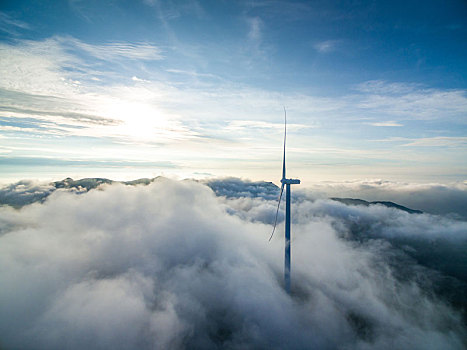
point(25, 192)
point(95, 263)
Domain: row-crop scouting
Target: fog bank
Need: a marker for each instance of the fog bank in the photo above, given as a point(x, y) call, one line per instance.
point(172, 265)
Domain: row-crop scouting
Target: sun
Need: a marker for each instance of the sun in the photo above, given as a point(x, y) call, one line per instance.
point(140, 121)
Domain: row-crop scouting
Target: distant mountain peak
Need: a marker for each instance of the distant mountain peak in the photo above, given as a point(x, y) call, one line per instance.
point(356, 201)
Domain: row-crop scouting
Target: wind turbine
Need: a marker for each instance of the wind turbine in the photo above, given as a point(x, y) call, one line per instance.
point(285, 182)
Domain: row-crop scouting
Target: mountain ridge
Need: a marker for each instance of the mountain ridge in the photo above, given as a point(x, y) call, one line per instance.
point(18, 194)
point(357, 201)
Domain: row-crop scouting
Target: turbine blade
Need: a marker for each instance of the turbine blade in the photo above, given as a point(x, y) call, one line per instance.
point(277, 211)
point(285, 137)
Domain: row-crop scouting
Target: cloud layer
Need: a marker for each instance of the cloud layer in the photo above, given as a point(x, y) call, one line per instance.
point(434, 198)
point(170, 265)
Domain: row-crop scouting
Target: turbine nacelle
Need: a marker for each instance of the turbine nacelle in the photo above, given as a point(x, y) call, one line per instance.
point(290, 181)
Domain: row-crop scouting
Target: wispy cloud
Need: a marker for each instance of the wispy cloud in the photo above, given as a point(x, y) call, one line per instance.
point(113, 50)
point(383, 87)
point(154, 113)
point(386, 123)
point(10, 25)
point(169, 10)
point(326, 46)
point(260, 125)
point(439, 141)
point(436, 141)
point(47, 114)
point(411, 100)
point(255, 29)
point(192, 73)
point(49, 161)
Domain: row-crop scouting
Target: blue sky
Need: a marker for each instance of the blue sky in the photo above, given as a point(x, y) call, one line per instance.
point(128, 89)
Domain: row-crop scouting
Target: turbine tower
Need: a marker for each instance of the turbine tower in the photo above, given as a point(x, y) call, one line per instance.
point(285, 182)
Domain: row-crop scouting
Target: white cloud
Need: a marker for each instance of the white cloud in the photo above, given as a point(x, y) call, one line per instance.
point(386, 123)
point(436, 141)
point(134, 78)
point(237, 125)
point(433, 198)
point(383, 87)
point(166, 266)
point(439, 141)
point(11, 25)
point(192, 73)
point(412, 101)
point(255, 33)
point(35, 68)
point(327, 46)
point(113, 50)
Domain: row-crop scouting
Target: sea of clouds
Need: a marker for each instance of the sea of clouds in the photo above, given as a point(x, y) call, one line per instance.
point(187, 265)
